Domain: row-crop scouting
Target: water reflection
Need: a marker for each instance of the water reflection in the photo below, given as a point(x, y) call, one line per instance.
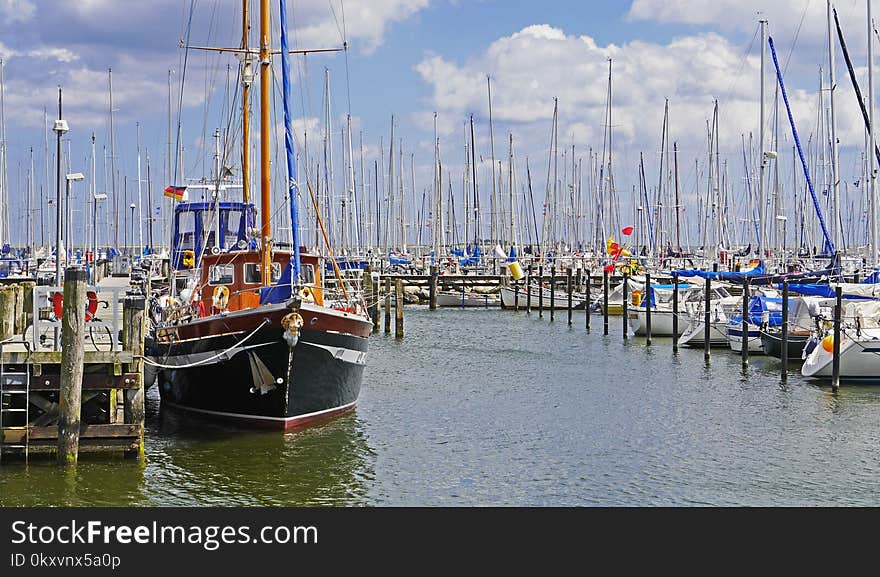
point(205, 463)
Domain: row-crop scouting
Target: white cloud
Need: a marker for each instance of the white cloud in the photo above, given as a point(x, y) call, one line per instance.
point(59, 54)
point(12, 11)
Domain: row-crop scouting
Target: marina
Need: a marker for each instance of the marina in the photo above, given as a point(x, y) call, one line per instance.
point(313, 301)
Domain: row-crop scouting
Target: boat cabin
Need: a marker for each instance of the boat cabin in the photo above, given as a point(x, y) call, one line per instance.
point(196, 230)
point(231, 281)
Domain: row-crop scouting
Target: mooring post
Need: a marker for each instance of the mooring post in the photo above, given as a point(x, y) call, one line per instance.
point(529, 290)
point(134, 329)
point(398, 322)
point(552, 291)
point(587, 304)
point(18, 316)
point(515, 294)
point(707, 322)
point(674, 311)
point(625, 305)
point(387, 305)
point(73, 333)
point(835, 359)
point(745, 324)
point(605, 301)
point(7, 312)
point(541, 291)
point(568, 282)
point(432, 288)
point(647, 295)
point(784, 352)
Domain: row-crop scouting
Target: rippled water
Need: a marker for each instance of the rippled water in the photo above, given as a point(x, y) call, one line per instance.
point(488, 407)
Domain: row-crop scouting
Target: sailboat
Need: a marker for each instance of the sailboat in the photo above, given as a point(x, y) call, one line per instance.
point(259, 338)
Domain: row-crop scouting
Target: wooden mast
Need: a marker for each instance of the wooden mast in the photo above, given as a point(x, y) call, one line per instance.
point(265, 177)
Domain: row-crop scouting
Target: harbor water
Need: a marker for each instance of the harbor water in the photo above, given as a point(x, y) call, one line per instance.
point(488, 407)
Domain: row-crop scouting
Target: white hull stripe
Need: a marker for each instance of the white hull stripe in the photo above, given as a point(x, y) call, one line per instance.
point(262, 417)
point(181, 360)
point(345, 355)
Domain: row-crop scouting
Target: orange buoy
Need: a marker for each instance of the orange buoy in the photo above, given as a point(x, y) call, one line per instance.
point(828, 343)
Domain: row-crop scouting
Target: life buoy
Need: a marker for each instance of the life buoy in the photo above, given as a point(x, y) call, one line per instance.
point(306, 294)
point(189, 258)
point(91, 304)
point(220, 298)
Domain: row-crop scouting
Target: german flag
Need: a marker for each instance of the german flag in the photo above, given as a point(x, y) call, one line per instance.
point(175, 192)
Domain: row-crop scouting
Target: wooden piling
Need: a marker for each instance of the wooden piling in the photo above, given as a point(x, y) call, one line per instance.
point(605, 302)
point(7, 312)
point(552, 291)
point(707, 322)
point(587, 304)
point(745, 324)
point(371, 289)
point(73, 332)
point(28, 290)
point(647, 295)
point(387, 306)
point(516, 295)
point(674, 312)
point(625, 305)
point(432, 288)
point(568, 287)
point(133, 332)
point(529, 291)
point(541, 291)
point(835, 359)
point(398, 321)
point(18, 316)
point(784, 352)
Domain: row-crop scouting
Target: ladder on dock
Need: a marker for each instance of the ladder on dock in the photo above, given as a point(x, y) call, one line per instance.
point(15, 403)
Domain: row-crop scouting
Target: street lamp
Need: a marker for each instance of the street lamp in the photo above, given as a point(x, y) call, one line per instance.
point(97, 197)
point(60, 128)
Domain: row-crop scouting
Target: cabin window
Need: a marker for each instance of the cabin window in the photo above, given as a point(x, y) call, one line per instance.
point(186, 230)
point(220, 274)
point(308, 274)
point(252, 272)
point(232, 224)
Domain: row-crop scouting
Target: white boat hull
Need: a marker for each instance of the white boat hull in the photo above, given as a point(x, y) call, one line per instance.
point(859, 359)
point(735, 335)
point(661, 323)
point(467, 300)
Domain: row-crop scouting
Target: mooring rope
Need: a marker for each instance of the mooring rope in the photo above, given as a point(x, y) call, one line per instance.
point(209, 359)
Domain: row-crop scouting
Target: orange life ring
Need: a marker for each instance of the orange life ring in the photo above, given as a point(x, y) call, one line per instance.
point(91, 304)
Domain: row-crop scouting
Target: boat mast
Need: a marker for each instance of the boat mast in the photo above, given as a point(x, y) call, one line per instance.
point(265, 127)
point(763, 165)
point(247, 77)
point(677, 207)
point(872, 167)
point(4, 180)
point(493, 221)
point(835, 160)
point(112, 161)
point(140, 215)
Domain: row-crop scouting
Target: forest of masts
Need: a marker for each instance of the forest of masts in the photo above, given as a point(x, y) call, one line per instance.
point(565, 204)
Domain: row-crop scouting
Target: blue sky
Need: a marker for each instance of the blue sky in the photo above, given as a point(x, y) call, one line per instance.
point(413, 57)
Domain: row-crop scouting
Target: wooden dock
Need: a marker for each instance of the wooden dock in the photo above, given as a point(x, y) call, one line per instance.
point(35, 378)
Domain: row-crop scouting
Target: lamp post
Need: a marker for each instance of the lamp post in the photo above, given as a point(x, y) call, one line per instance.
point(96, 198)
point(60, 128)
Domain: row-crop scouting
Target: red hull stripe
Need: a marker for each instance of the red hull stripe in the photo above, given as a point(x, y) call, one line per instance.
point(282, 423)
